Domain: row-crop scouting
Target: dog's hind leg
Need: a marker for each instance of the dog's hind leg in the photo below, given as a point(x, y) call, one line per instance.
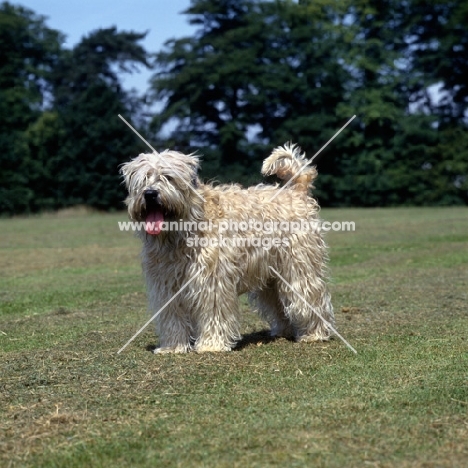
point(268, 305)
point(318, 326)
point(307, 304)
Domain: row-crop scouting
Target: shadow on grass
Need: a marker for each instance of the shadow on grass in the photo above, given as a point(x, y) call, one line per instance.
point(255, 338)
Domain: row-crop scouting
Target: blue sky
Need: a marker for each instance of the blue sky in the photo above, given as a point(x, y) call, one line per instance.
point(76, 18)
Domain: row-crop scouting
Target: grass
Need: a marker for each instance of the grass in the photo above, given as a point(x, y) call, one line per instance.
point(71, 294)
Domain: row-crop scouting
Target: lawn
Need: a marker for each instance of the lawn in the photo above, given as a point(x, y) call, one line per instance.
point(71, 294)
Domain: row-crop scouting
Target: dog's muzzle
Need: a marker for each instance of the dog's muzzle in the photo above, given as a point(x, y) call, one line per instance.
point(152, 198)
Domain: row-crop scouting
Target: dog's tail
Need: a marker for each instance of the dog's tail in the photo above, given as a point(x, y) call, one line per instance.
point(287, 162)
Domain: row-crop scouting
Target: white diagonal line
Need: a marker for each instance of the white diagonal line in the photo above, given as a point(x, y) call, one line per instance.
point(159, 311)
point(154, 151)
point(142, 139)
point(324, 321)
point(313, 157)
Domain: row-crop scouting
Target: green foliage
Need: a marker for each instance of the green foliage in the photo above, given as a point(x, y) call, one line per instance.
point(440, 40)
point(28, 51)
point(60, 141)
point(204, 81)
point(255, 73)
point(43, 137)
point(89, 98)
point(258, 73)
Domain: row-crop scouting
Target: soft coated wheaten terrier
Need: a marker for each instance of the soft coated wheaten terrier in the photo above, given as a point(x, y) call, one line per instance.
point(225, 241)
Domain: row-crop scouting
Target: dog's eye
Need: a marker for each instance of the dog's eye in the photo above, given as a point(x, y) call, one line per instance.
point(168, 178)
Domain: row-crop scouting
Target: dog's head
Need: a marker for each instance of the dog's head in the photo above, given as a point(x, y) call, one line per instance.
point(161, 187)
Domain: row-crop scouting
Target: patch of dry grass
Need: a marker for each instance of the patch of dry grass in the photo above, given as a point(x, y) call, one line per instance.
point(69, 300)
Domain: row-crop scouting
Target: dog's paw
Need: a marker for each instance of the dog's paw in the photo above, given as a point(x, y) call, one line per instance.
point(212, 349)
point(172, 350)
point(313, 338)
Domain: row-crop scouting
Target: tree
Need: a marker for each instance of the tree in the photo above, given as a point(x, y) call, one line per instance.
point(366, 170)
point(255, 73)
point(439, 40)
point(259, 73)
point(88, 99)
point(29, 50)
point(61, 141)
point(203, 82)
point(44, 138)
point(391, 155)
point(437, 43)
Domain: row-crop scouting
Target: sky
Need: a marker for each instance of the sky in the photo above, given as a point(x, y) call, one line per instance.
point(76, 18)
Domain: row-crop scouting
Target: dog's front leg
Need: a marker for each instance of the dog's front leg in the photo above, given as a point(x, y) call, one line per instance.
point(216, 316)
point(173, 328)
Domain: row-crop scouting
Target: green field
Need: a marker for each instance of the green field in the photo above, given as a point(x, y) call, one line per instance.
point(71, 294)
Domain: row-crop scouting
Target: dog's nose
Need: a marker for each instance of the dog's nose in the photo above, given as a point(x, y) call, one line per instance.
point(151, 194)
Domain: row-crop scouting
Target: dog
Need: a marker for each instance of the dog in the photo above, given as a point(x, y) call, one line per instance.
point(196, 274)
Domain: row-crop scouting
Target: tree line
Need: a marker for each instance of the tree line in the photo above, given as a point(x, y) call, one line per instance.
point(255, 74)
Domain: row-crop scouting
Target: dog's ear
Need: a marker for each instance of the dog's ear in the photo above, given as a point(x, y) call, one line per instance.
point(196, 166)
point(124, 171)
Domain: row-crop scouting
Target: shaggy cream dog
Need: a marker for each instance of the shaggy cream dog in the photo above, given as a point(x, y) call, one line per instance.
point(216, 243)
